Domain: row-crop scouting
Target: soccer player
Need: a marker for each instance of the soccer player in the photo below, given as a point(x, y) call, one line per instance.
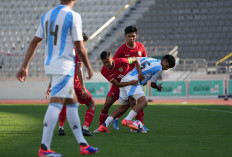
point(129, 49)
point(151, 69)
point(83, 96)
point(61, 28)
point(115, 69)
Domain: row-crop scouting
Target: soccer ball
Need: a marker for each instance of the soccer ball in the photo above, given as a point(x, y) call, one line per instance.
point(139, 125)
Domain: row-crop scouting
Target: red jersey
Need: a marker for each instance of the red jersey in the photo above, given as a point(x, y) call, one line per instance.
point(125, 51)
point(120, 69)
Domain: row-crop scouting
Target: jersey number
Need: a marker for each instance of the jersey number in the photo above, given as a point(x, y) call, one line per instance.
point(51, 32)
point(144, 64)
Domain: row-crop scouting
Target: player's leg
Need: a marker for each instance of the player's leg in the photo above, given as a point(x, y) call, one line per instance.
point(111, 97)
point(89, 114)
point(104, 127)
point(62, 118)
point(75, 125)
point(137, 92)
point(104, 112)
point(55, 105)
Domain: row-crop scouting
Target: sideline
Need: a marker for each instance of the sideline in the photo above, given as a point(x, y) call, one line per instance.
point(154, 101)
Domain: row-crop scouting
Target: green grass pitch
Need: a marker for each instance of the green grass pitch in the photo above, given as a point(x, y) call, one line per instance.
point(175, 131)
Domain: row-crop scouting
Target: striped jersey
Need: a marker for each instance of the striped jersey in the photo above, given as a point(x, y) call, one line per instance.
point(151, 69)
point(60, 27)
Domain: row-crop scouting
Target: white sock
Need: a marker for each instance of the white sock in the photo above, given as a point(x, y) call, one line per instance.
point(75, 123)
point(50, 120)
point(132, 114)
point(109, 120)
point(85, 128)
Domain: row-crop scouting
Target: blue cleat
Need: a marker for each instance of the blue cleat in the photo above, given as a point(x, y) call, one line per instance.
point(115, 124)
point(87, 150)
point(145, 128)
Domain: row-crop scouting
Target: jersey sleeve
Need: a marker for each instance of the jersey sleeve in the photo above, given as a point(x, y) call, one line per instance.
point(76, 29)
point(156, 76)
point(40, 30)
point(105, 74)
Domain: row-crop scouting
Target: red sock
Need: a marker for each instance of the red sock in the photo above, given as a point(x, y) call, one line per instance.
point(89, 114)
point(62, 116)
point(103, 117)
point(140, 116)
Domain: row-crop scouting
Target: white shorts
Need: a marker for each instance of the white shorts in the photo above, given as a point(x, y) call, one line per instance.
point(62, 86)
point(135, 91)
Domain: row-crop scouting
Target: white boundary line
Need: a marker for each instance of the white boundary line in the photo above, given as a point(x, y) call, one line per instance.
point(197, 108)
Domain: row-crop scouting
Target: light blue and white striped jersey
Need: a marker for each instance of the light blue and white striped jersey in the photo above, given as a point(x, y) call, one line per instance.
point(151, 69)
point(60, 27)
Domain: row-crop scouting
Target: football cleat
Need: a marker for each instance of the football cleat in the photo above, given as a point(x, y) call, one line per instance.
point(86, 132)
point(87, 150)
point(102, 128)
point(61, 132)
point(145, 128)
point(48, 153)
point(129, 123)
point(115, 124)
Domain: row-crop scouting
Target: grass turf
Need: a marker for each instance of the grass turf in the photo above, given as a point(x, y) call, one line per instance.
point(176, 131)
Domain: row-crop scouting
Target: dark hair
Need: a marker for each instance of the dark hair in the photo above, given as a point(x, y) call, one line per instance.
point(171, 60)
point(130, 29)
point(85, 37)
point(105, 55)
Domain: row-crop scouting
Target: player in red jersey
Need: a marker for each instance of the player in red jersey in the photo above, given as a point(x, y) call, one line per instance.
point(130, 49)
point(84, 97)
point(115, 69)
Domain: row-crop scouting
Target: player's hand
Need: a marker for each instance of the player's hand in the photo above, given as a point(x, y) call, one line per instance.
point(90, 73)
point(141, 77)
point(48, 92)
point(22, 74)
point(145, 84)
point(159, 87)
point(134, 82)
point(84, 93)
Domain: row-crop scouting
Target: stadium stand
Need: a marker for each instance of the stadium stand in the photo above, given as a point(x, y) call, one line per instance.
point(201, 30)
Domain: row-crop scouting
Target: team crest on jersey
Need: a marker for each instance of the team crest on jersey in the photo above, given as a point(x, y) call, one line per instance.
point(120, 69)
point(139, 53)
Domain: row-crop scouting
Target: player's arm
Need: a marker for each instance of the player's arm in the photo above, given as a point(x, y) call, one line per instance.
point(80, 77)
point(48, 90)
point(138, 67)
point(84, 57)
point(154, 80)
point(23, 72)
point(123, 84)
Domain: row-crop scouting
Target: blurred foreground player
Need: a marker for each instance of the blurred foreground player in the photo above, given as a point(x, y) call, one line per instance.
point(62, 29)
point(83, 96)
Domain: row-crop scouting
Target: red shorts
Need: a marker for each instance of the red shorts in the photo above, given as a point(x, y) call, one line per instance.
point(77, 88)
point(114, 92)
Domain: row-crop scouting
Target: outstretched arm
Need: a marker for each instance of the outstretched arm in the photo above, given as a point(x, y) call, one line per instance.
point(138, 67)
point(80, 77)
point(123, 84)
point(23, 72)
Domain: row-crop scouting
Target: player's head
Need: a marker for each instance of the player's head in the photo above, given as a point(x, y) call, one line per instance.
point(85, 37)
point(168, 61)
point(107, 60)
point(68, 2)
point(130, 35)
